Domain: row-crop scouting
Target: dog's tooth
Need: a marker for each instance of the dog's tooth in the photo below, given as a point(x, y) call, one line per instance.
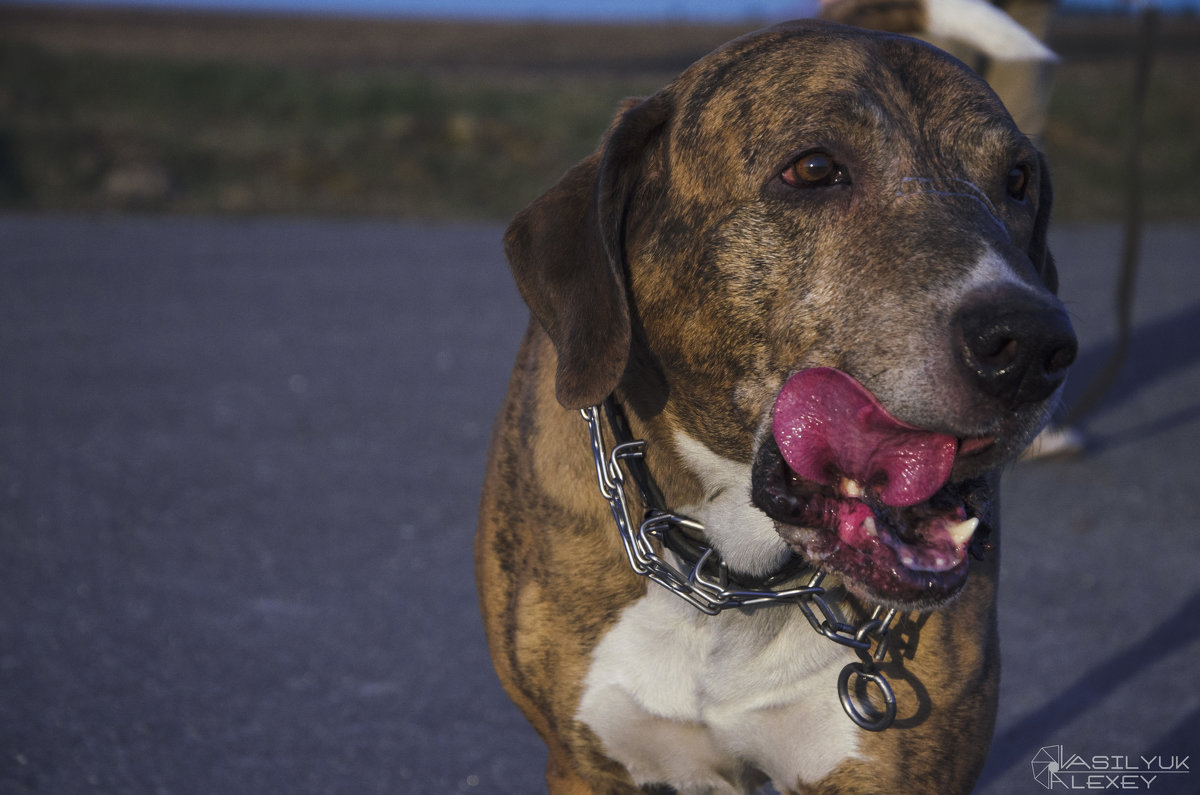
point(852, 488)
point(869, 525)
point(962, 532)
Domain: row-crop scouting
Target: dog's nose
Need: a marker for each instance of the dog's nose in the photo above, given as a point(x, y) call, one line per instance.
point(1016, 350)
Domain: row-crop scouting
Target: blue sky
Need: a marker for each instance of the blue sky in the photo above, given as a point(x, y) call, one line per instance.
point(554, 9)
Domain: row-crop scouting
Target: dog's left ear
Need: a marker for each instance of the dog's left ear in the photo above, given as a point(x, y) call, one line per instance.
point(1039, 247)
point(567, 253)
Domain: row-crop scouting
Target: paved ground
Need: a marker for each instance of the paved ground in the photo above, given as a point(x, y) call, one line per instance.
point(239, 462)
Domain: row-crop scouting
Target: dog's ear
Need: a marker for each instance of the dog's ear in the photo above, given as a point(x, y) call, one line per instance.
point(567, 253)
point(1039, 247)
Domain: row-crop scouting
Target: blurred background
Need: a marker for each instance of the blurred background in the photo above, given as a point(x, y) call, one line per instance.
point(460, 108)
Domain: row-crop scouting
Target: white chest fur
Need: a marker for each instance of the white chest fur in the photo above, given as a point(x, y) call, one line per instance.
point(710, 704)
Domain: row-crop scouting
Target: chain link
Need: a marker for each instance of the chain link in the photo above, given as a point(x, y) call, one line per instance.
point(707, 584)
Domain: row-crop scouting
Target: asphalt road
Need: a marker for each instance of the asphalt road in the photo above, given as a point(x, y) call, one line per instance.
point(239, 465)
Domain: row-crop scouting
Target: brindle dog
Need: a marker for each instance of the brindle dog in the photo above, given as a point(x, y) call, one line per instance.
point(812, 274)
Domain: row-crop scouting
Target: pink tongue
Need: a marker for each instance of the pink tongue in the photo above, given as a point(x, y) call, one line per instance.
point(827, 425)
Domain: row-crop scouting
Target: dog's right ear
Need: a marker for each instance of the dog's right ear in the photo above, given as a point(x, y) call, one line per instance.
point(567, 253)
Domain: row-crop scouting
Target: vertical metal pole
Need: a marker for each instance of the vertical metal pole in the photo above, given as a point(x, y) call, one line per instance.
point(1134, 212)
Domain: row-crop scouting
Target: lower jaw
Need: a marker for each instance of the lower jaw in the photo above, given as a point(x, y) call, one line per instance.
point(876, 576)
point(859, 539)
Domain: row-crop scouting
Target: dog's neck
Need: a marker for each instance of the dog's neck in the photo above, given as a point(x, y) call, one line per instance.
point(691, 568)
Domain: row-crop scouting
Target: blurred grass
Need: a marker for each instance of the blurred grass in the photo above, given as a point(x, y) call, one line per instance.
point(399, 121)
point(1089, 126)
point(92, 132)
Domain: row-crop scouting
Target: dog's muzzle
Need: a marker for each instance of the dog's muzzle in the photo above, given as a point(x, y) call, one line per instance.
point(858, 492)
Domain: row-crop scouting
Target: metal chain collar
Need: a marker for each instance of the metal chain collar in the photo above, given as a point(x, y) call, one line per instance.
point(709, 587)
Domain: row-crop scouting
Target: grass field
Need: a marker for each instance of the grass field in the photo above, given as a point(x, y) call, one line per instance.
point(187, 112)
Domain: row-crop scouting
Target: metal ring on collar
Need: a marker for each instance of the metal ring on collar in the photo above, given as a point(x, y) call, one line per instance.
point(859, 708)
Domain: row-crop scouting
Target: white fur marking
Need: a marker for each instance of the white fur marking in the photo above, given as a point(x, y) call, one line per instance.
point(708, 704)
point(743, 535)
point(992, 270)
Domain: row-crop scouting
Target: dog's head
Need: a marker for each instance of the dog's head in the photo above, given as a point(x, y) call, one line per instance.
point(819, 257)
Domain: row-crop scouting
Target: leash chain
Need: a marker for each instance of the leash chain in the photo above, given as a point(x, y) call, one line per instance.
point(709, 587)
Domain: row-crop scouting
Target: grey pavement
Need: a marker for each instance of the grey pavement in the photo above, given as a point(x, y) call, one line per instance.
point(239, 466)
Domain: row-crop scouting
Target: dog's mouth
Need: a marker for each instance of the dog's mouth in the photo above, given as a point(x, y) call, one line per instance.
point(860, 493)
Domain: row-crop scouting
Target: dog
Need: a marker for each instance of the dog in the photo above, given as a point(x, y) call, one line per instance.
point(794, 315)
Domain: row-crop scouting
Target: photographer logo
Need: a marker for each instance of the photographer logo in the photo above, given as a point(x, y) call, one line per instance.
point(1054, 769)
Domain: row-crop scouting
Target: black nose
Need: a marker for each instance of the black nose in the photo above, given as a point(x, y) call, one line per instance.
point(1016, 350)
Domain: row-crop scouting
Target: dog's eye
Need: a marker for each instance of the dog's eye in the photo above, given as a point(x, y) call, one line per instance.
point(1018, 182)
point(816, 170)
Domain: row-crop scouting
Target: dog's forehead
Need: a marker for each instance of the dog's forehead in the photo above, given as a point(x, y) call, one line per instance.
point(806, 74)
point(819, 53)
